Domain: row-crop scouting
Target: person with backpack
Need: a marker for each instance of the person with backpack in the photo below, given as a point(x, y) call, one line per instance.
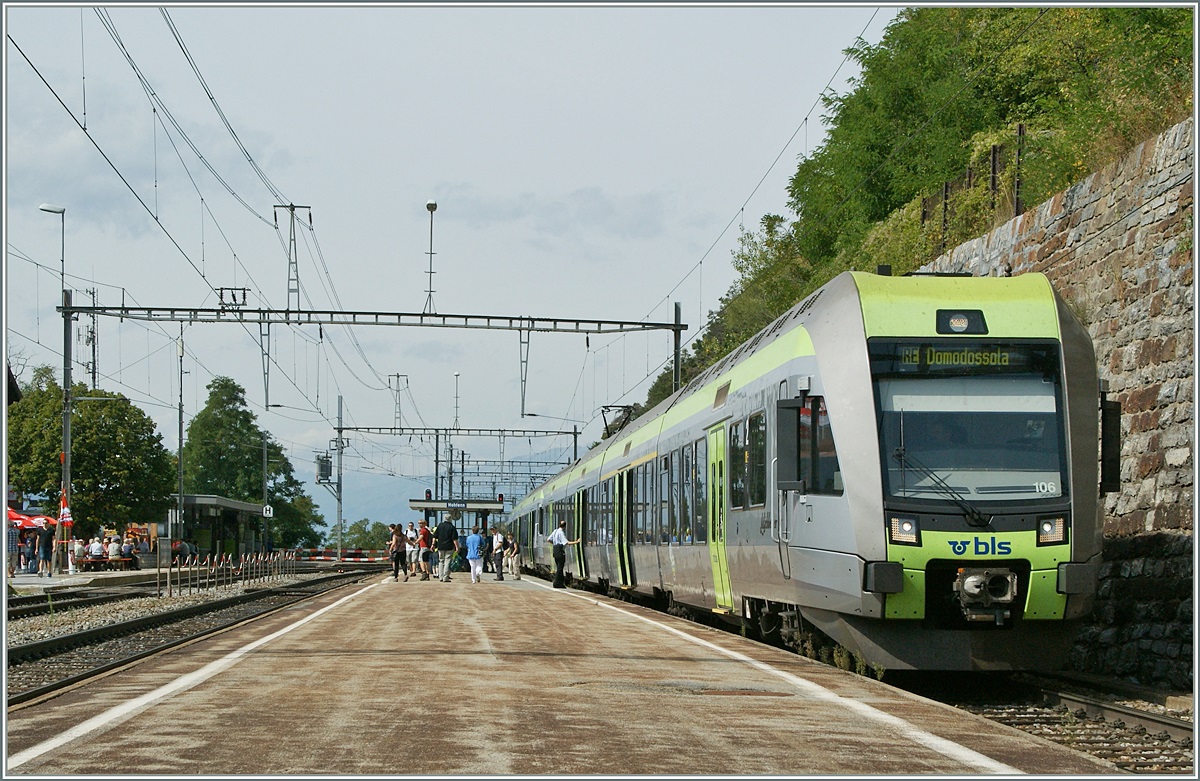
point(499, 544)
point(424, 544)
point(512, 557)
point(398, 549)
point(475, 554)
point(446, 540)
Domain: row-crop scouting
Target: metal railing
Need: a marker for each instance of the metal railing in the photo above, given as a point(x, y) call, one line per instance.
point(192, 574)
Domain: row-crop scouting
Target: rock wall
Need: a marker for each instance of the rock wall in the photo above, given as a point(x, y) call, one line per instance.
point(1118, 247)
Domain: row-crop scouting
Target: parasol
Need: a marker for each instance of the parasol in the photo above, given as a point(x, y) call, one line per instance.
point(20, 521)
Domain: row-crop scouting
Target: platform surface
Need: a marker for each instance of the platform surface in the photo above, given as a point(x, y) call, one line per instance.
point(501, 678)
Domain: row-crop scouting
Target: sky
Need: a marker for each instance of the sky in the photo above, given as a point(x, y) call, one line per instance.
point(586, 162)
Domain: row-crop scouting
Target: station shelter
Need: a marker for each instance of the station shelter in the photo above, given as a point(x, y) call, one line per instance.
point(218, 525)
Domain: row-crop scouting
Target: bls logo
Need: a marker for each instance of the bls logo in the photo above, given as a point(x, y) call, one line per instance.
point(982, 547)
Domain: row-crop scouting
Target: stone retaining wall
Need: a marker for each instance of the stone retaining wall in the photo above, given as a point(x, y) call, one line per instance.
point(1118, 247)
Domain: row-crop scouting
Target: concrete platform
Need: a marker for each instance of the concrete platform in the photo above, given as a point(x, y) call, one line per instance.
point(501, 678)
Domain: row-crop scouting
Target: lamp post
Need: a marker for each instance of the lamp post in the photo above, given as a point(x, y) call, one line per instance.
point(61, 211)
point(429, 310)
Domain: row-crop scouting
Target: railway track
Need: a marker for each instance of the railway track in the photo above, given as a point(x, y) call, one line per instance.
point(40, 668)
point(1134, 739)
point(51, 601)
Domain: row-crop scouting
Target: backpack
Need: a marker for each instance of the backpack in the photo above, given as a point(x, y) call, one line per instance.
point(504, 545)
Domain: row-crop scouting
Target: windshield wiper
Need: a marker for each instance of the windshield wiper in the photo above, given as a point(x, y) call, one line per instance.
point(974, 517)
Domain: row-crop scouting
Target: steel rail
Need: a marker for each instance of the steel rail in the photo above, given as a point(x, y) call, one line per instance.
point(54, 646)
point(1153, 723)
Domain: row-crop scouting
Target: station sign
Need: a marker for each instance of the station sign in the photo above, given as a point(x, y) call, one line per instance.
point(468, 505)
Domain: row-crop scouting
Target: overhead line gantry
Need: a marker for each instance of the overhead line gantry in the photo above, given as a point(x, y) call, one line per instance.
point(524, 325)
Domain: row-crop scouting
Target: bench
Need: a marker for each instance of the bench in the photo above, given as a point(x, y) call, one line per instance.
point(97, 565)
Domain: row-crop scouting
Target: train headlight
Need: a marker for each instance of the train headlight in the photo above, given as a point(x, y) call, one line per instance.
point(904, 530)
point(1051, 530)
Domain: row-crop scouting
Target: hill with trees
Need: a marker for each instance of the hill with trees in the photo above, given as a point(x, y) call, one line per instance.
point(1000, 107)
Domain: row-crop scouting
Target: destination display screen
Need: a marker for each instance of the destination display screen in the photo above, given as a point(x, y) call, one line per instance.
point(961, 355)
point(963, 420)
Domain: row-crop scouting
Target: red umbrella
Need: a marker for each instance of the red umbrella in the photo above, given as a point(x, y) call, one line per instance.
point(42, 520)
point(20, 521)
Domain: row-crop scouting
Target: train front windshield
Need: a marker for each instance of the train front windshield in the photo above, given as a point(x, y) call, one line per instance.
point(969, 420)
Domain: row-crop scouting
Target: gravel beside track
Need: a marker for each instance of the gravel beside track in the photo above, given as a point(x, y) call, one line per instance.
point(30, 677)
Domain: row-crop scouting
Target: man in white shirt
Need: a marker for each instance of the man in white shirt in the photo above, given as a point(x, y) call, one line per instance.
point(414, 552)
point(498, 553)
point(558, 538)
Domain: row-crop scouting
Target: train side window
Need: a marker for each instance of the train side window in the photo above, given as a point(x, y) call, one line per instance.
point(825, 470)
point(676, 505)
point(653, 513)
point(737, 466)
point(610, 511)
point(700, 522)
point(637, 497)
point(687, 466)
point(756, 458)
point(664, 499)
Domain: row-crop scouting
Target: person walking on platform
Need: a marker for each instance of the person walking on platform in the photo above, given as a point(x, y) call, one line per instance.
point(512, 558)
point(398, 549)
point(424, 543)
point(446, 540)
point(475, 554)
point(14, 549)
point(486, 553)
point(497, 549)
point(414, 553)
point(45, 550)
point(558, 538)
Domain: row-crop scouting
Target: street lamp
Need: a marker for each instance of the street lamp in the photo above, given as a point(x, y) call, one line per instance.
point(432, 207)
point(61, 211)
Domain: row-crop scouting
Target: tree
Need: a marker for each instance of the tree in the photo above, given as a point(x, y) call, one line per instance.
point(120, 472)
point(223, 456)
point(365, 534)
point(223, 451)
point(941, 86)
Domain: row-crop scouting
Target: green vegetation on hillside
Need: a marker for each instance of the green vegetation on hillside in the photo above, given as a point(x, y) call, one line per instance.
point(941, 89)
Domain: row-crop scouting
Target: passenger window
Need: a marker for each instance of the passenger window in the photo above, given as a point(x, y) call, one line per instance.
point(737, 466)
point(687, 477)
point(756, 458)
point(700, 524)
point(807, 456)
point(639, 503)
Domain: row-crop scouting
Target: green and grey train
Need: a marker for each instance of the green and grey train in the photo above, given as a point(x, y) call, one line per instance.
point(912, 466)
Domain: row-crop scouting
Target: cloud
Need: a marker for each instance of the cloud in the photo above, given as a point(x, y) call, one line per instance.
point(586, 213)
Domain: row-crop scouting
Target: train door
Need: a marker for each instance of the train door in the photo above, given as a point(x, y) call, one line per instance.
point(623, 527)
point(717, 518)
point(582, 514)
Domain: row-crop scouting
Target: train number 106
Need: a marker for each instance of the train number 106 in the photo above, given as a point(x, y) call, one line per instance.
point(1046, 488)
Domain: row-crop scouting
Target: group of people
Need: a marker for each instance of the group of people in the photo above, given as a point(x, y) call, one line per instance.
point(111, 549)
point(413, 550)
point(30, 550)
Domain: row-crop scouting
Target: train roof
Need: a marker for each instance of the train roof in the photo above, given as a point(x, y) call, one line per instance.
point(887, 305)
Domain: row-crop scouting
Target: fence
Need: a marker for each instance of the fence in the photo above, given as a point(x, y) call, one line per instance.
point(194, 574)
point(962, 208)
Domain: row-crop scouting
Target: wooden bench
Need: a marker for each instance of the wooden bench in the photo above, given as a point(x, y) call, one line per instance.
point(96, 565)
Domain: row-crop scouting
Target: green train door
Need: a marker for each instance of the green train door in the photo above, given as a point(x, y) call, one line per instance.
point(623, 527)
point(581, 519)
point(716, 518)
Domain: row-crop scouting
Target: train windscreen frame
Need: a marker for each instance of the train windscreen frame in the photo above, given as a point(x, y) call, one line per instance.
point(975, 420)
